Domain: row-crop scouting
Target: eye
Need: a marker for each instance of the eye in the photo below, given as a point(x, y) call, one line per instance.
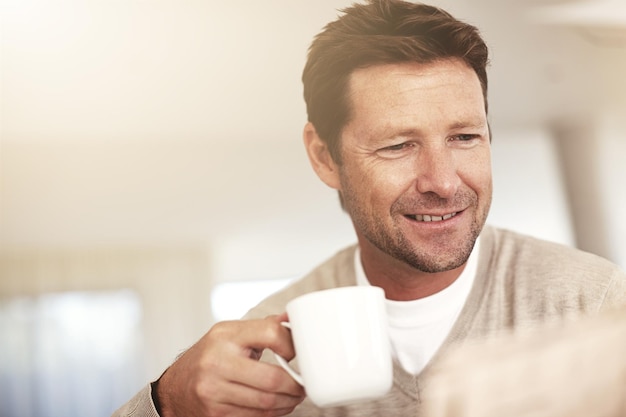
point(465, 137)
point(395, 151)
point(398, 147)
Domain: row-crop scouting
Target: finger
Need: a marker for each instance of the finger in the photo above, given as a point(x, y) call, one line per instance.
point(237, 388)
point(281, 317)
point(239, 411)
point(262, 334)
point(232, 344)
point(262, 376)
point(245, 396)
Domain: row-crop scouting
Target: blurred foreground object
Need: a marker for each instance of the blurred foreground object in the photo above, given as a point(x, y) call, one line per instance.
point(571, 371)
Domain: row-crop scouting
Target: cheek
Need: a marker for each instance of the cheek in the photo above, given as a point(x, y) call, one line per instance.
point(476, 174)
point(375, 186)
point(386, 184)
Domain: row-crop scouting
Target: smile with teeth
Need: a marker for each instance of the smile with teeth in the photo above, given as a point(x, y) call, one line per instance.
point(431, 218)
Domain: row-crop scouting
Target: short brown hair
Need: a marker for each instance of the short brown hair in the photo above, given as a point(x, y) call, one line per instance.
point(375, 33)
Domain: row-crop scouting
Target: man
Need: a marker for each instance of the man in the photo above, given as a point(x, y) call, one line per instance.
point(396, 96)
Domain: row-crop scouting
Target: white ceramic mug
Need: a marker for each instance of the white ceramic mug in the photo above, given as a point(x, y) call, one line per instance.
point(342, 345)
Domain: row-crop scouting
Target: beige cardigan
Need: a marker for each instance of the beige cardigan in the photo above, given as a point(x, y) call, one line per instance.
point(521, 282)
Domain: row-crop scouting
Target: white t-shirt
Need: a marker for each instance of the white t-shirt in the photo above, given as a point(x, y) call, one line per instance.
point(418, 328)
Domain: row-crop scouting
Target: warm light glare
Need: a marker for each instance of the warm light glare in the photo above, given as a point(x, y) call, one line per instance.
point(231, 300)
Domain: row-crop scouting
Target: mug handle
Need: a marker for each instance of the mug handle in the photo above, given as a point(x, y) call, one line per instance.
point(283, 363)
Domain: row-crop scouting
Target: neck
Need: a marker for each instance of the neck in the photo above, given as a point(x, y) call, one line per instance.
point(400, 281)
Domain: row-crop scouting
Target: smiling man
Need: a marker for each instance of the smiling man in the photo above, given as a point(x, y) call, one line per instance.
point(396, 96)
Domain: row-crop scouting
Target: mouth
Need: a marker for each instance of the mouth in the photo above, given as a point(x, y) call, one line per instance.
point(431, 217)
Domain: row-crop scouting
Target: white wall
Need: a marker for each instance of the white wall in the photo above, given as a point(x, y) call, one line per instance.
point(593, 153)
point(530, 194)
point(612, 162)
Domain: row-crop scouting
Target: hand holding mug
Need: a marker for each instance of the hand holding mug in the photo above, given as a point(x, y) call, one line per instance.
point(221, 374)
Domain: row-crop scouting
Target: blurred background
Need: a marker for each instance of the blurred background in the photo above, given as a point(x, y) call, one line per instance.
point(153, 179)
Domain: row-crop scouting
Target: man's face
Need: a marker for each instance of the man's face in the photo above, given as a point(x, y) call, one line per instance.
point(415, 175)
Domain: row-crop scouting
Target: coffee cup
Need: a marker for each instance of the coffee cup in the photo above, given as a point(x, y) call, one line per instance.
point(342, 345)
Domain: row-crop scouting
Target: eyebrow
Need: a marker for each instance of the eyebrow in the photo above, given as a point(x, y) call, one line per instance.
point(468, 125)
point(391, 133)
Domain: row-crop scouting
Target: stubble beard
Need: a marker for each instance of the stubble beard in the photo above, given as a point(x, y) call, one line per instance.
point(396, 244)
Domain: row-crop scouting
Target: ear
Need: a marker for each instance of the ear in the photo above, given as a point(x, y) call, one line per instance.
point(320, 158)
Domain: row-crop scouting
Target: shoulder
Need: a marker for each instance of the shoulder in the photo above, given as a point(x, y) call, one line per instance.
point(544, 270)
point(509, 248)
point(337, 271)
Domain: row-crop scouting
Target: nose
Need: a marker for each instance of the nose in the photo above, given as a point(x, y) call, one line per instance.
point(437, 171)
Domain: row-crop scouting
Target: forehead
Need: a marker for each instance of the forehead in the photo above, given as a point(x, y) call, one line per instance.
point(448, 85)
